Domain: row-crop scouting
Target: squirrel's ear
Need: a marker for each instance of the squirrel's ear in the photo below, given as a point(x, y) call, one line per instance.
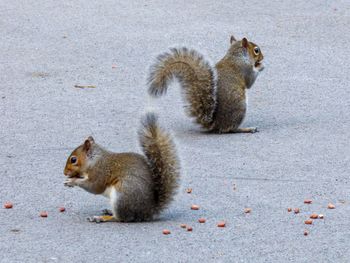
point(87, 144)
point(91, 139)
point(232, 40)
point(244, 42)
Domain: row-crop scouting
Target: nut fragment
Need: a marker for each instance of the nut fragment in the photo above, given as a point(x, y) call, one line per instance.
point(289, 209)
point(314, 216)
point(307, 201)
point(331, 206)
point(43, 214)
point(62, 209)
point(183, 226)
point(296, 210)
point(222, 224)
point(308, 222)
point(320, 216)
point(306, 232)
point(189, 229)
point(195, 207)
point(189, 190)
point(166, 231)
point(8, 205)
point(247, 210)
point(201, 220)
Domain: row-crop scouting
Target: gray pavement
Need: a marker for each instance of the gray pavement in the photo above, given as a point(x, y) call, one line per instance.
point(300, 103)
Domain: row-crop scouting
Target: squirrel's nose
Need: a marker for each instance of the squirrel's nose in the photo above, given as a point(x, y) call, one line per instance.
point(66, 172)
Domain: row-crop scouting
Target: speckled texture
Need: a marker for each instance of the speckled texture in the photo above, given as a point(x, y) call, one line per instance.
point(300, 103)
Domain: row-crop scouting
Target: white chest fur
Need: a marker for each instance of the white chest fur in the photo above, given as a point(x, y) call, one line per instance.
point(112, 194)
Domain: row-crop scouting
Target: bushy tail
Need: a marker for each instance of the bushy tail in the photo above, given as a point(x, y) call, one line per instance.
point(161, 155)
point(196, 77)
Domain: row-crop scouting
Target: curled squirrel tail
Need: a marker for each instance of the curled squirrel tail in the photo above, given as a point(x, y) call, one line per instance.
point(160, 151)
point(196, 77)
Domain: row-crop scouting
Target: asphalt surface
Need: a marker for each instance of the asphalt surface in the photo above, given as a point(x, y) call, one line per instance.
point(300, 103)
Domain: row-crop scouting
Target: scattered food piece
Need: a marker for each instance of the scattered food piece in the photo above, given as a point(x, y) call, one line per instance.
point(331, 206)
point(296, 210)
point(166, 231)
point(85, 86)
point(289, 209)
point(307, 201)
point(114, 66)
point(8, 205)
point(194, 207)
point(189, 190)
point(320, 216)
point(306, 232)
point(308, 222)
point(222, 224)
point(183, 225)
point(314, 216)
point(189, 229)
point(62, 209)
point(201, 220)
point(247, 210)
point(43, 214)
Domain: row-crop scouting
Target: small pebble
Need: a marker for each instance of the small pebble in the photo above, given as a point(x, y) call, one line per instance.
point(307, 201)
point(189, 229)
point(320, 216)
point(189, 190)
point(43, 214)
point(296, 210)
point(331, 206)
point(62, 209)
point(306, 232)
point(194, 207)
point(314, 216)
point(222, 224)
point(8, 205)
point(247, 210)
point(289, 209)
point(308, 222)
point(201, 220)
point(166, 232)
point(183, 226)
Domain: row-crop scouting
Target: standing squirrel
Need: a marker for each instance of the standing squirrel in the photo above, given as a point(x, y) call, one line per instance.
point(216, 96)
point(138, 187)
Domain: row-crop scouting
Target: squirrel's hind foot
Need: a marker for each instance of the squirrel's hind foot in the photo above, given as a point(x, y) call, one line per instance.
point(246, 130)
point(107, 212)
point(102, 219)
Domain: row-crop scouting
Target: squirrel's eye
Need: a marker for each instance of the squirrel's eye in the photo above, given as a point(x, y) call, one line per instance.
point(73, 159)
point(256, 51)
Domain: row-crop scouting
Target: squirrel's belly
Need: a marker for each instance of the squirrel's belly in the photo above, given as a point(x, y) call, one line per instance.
point(110, 193)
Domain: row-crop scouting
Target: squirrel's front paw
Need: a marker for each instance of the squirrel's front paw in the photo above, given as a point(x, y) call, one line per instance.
point(69, 182)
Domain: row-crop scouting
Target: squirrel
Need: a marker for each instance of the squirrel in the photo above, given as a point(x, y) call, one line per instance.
point(138, 187)
point(217, 96)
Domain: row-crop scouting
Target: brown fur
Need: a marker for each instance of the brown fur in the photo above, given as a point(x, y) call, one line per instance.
point(145, 185)
point(217, 104)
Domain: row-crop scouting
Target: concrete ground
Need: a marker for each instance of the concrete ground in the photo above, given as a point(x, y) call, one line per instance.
point(300, 104)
